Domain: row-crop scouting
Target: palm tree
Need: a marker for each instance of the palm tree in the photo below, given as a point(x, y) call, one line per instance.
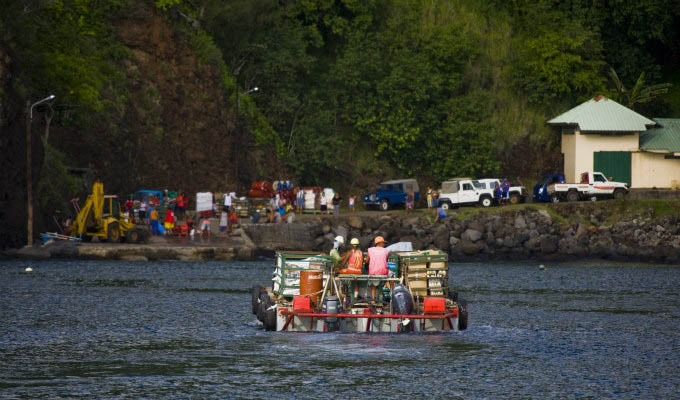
point(639, 94)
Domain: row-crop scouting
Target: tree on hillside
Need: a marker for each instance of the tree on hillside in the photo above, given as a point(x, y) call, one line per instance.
point(639, 93)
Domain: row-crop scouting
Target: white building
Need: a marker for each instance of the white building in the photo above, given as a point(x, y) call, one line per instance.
point(602, 135)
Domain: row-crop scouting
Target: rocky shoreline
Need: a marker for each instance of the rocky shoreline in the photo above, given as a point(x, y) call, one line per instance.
point(524, 234)
point(555, 232)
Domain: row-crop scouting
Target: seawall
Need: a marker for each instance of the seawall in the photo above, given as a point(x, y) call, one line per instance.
point(543, 233)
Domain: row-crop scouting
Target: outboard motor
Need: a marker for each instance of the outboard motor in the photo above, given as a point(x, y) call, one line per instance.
point(332, 306)
point(462, 314)
point(402, 300)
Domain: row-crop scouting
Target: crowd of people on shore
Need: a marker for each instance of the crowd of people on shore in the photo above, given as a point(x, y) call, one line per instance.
point(281, 210)
point(159, 212)
point(166, 213)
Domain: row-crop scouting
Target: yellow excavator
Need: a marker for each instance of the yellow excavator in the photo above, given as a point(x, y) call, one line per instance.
point(101, 216)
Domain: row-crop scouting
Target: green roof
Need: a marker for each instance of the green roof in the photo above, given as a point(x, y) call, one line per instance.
point(664, 137)
point(601, 114)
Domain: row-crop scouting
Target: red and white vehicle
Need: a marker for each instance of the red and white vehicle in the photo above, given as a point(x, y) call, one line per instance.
point(593, 186)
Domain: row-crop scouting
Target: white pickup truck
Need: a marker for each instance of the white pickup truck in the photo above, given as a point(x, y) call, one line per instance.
point(593, 186)
point(456, 193)
point(516, 193)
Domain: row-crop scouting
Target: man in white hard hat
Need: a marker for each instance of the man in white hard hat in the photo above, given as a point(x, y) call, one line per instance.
point(334, 253)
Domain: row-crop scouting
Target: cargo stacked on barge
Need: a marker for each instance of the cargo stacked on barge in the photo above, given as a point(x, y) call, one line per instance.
point(308, 296)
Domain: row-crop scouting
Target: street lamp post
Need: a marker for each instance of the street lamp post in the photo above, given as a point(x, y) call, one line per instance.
point(239, 127)
point(238, 97)
point(29, 175)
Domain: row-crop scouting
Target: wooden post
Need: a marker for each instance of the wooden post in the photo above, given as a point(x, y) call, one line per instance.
point(29, 175)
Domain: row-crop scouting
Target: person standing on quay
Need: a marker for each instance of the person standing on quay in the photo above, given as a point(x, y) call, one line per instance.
point(506, 190)
point(350, 203)
point(227, 202)
point(169, 221)
point(300, 200)
point(154, 221)
point(410, 200)
point(336, 204)
point(323, 203)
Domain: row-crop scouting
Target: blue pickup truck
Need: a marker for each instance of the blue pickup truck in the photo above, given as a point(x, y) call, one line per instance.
point(391, 194)
point(541, 192)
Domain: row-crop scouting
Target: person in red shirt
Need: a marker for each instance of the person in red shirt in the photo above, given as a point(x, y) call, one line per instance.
point(180, 202)
point(129, 205)
point(169, 221)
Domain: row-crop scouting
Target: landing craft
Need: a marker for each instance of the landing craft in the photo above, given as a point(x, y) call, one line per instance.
point(307, 296)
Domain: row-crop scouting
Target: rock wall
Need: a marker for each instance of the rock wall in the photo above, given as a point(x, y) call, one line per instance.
point(519, 235)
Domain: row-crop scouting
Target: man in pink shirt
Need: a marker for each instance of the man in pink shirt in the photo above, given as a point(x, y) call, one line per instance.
point(377, 262)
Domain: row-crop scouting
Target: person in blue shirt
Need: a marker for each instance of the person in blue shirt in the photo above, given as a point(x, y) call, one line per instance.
point(439, 214)
point(506, 189)
point(497, 193)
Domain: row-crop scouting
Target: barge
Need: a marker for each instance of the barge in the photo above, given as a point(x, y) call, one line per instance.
point(307, 295)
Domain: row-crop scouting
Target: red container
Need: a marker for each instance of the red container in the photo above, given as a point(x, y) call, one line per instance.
point(302, 303)
point(435, 305)
point(264, 186)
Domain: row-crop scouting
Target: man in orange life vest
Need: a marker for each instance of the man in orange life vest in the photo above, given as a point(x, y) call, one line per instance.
point(353, 260)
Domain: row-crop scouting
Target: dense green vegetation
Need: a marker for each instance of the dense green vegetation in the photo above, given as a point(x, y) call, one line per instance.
point(360, 90)
point(435, 89)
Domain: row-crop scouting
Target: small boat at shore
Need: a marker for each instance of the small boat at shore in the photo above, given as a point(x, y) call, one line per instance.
point(308, 296)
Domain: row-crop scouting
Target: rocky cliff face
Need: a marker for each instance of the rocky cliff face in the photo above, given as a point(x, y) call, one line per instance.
point(175, 129)
point(178, 129)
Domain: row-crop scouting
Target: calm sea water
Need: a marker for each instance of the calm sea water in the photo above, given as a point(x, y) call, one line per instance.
point(184, 329)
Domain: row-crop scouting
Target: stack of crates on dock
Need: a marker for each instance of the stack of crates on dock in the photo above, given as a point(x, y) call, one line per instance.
point(426, 272)
point(242, 208)
point(286, 276)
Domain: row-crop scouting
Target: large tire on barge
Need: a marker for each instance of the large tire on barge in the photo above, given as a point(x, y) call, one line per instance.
point(262, 306)
point(462, 315)
point(269, 316)
point(255, 297)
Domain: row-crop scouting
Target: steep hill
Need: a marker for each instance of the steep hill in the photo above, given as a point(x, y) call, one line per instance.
point(173, 125)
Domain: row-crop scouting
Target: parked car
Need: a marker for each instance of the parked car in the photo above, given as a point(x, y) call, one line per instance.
point(543, 189)
point(454, 193)
point(516, 193)
point(593, 185)
point(391, 194)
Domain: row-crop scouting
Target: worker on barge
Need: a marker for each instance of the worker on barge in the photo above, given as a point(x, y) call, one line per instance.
point(353, 261)
point(377, 263)
point(338, 242)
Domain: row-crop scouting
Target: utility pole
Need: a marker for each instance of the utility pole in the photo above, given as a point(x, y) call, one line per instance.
point(29, 175)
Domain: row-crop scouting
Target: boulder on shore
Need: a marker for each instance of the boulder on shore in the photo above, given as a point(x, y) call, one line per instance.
point(469, 248)
point(471, 235)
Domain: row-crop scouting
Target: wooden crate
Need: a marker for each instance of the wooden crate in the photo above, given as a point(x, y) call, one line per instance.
point(418, 284)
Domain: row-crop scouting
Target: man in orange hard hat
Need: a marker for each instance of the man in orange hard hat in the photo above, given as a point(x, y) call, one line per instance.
point(377, 262)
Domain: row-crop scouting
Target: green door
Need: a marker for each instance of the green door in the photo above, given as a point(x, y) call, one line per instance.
point(614, 164)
